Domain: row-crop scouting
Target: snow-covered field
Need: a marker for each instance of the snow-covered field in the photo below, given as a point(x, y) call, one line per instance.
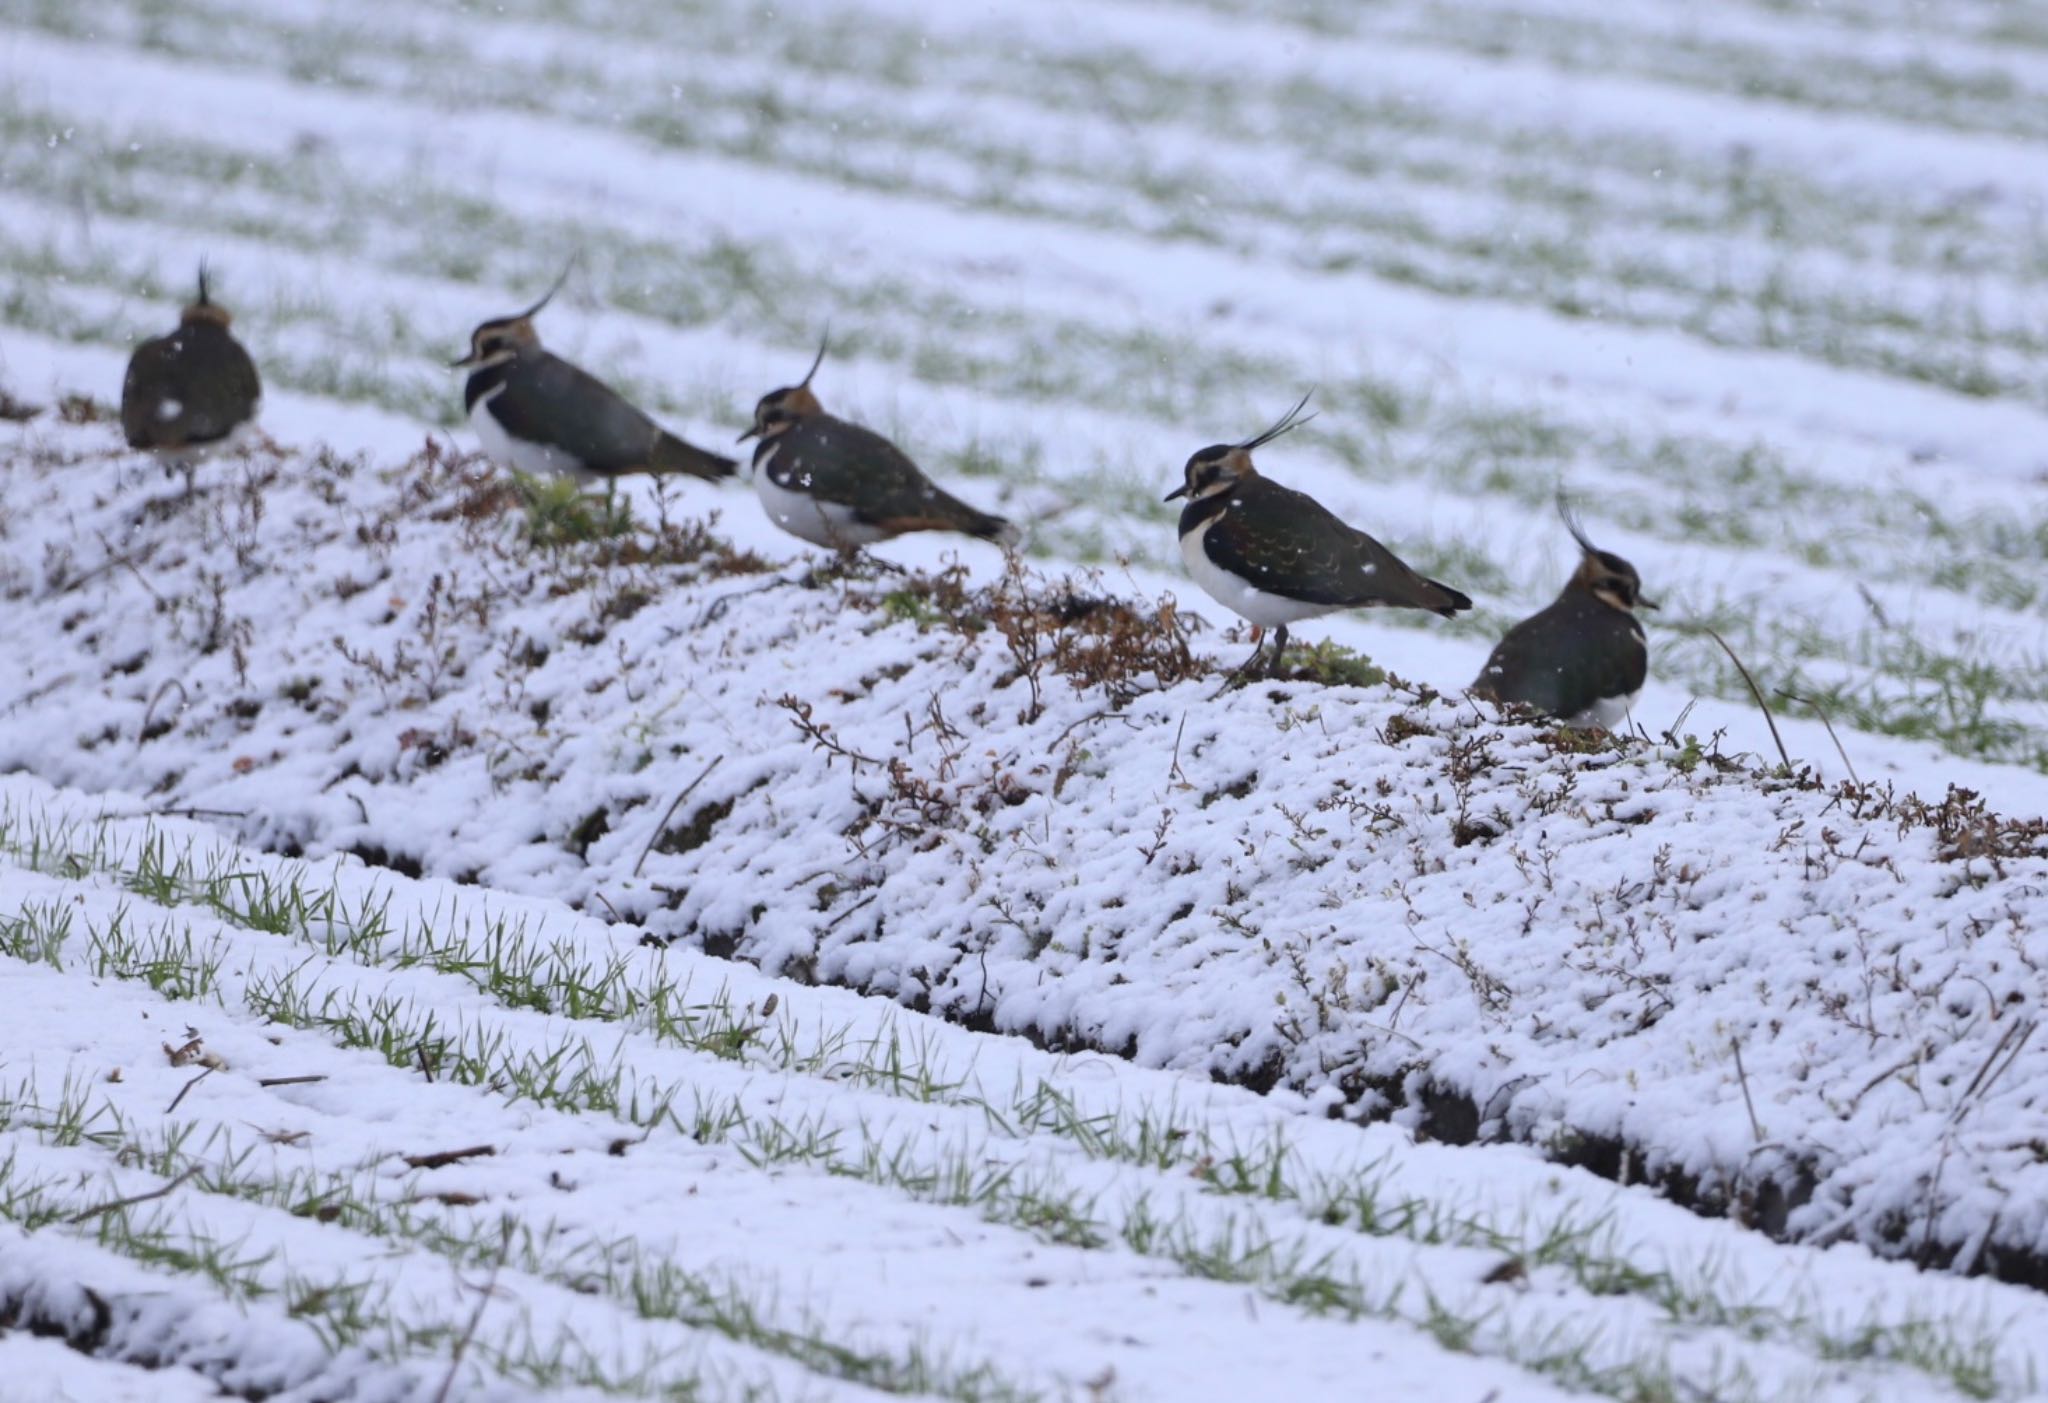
point(396, 1115)
point(1764, 286)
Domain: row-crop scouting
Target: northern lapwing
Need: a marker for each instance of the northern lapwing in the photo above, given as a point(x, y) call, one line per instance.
point(1273, 556)
point(192, 393)
point(839, 485)
point(538, 414)
point(1583, 659)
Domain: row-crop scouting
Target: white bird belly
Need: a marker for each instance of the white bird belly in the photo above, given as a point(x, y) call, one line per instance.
point(1609, 713)
point(533, 459)
point(1241, 598)
point(828, 524)
point(191, 455)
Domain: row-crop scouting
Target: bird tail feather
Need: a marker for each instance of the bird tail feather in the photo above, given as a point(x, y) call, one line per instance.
point(955, 515)
point(994, 528)
point(672, 455)
point(1442, 599)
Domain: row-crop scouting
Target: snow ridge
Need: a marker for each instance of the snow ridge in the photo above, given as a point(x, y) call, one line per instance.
point(1016, 802)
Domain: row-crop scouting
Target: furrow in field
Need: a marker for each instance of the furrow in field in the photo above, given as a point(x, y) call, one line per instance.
point(1633, 117)
point(1909, 72)
point(1008, 153)
point(1961, 692)
point(1964, 30)
point(782, 1101)
point(722, 207)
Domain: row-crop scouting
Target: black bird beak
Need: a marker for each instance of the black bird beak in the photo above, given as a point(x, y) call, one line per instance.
point(748, 434)
point(1642, 603)
point(461, 362)
point(1180, 491)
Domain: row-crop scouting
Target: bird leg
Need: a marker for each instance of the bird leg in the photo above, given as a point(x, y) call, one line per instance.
point(846, 563)
point(1279, 648)
point(855, 563)
point(1251, 664)
point(1247, 668)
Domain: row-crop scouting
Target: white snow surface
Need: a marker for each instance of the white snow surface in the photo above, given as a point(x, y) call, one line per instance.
point(856, 1237)
point(1368, 894)
point(1760, 284)
point(1785, 345)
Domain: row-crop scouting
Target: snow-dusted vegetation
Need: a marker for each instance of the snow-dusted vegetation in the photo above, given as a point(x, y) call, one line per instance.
point(305, 1130)
point(423, 895)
